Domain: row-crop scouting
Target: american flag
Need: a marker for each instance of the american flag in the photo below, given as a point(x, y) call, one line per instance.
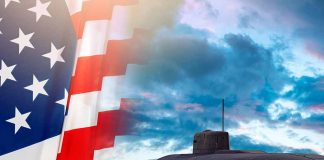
point(62, 68)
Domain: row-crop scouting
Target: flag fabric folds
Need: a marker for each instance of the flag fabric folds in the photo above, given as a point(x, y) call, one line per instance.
point(37, 51)
point(63, 64)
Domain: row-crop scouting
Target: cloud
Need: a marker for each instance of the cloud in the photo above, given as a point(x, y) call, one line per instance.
point(243, 142)
point(297, 23)
point(204, 9)
point(247, 18)
point(186, 64)
point(315, 50)
point(135, 148)
point(285, 136)
point(298, 106)
point(307, 91)
point(189, 107)
point(252, 53)
point(286, 110)
point(186, 77)
point(317, 108)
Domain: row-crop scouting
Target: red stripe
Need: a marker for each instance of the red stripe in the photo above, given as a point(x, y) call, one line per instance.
point(80, 144)
point(96, 10)
point(91, 70)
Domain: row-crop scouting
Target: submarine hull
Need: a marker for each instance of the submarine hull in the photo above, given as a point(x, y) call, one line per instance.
point(244, 156)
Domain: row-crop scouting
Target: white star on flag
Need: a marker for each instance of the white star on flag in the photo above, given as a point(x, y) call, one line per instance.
point(8, 1)
point(55, 55)
point(19, 120)
point(41, 9)
point(64, 100)
point(6, 73)
point(23, 40)
point(37, 87)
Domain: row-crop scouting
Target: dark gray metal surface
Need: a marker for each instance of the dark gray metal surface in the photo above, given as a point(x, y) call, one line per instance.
point(244, 156)
point(208, 142)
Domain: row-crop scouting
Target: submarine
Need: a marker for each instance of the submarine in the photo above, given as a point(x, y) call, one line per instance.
point(215, 145)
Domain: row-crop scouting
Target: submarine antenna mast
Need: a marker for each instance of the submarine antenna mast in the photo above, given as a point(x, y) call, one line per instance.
point(223, 103)
point(209, 142)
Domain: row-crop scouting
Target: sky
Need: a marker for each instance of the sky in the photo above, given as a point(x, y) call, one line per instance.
point(264, 57)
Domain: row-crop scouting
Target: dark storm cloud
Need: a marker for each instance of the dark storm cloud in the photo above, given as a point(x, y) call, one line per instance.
point(186, 69)
point(308, 91)
point(188, 64)
point(200, 72)
point(178, 59)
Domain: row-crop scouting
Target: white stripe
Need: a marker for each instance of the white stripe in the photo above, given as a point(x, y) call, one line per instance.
point(94, 39)
point(105, 154)
point(123, 22)
point(45, 150)
point(112, 92)
point(74, 6)
point(82, 111)
point(84, 108)
point(97, 33)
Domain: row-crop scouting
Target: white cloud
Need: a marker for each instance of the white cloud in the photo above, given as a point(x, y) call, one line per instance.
point(126, 149)
point(282, 107)
point(300, 62)
point(287, 88)
point(280, 135)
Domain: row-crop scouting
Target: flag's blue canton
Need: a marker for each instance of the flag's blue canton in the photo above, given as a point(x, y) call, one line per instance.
point(40, 118)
